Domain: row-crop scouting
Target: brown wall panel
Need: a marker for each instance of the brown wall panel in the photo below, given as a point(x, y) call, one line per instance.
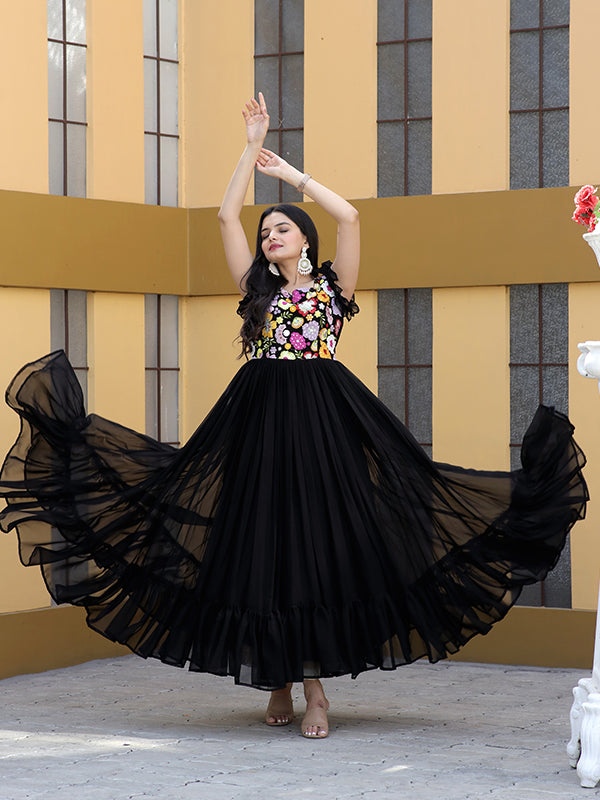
point(476, 239)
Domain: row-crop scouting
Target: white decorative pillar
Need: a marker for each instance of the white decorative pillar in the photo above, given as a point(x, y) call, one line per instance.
point(583, 748)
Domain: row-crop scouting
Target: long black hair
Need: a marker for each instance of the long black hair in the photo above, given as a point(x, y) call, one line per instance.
point(260, 284)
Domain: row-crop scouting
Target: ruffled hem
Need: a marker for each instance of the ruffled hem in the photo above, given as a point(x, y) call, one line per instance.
point(273, 552)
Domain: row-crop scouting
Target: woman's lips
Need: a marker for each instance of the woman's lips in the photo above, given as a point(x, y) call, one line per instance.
point(274, 247)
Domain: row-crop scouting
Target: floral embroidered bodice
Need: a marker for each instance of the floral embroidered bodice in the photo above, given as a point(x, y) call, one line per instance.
point(304, 323)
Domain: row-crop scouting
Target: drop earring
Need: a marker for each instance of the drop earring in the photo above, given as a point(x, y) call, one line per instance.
point(304, 265)
point(274, 270)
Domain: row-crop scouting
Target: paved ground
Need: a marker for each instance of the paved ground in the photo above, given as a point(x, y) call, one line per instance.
point(126, 728)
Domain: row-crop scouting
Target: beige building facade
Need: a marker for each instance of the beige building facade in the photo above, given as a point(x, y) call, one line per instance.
point(467, 241)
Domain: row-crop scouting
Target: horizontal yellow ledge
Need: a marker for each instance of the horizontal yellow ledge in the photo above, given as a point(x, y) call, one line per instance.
point(478, 239)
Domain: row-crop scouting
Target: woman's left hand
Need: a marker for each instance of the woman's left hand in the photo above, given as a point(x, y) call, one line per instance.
point(270, 163)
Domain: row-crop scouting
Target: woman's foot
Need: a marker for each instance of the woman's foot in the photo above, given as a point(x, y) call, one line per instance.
point(280, 710)
point(314, 724)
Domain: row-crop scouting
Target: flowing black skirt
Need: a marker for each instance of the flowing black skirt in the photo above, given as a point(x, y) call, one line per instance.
point(301, 532)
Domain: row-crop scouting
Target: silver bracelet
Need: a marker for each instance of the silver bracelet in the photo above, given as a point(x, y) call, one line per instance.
point(305, 178)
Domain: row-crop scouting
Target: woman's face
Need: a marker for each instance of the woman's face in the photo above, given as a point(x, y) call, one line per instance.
point(281, 238)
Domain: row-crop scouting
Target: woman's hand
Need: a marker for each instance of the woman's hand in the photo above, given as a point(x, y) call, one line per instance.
point(270, 163)
point(256, 118)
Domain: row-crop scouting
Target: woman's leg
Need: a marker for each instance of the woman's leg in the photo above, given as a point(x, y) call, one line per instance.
point(280, 710)
point(315, 723)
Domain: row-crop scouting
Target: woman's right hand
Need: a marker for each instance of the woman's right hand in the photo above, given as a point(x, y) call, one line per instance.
point(256, 118)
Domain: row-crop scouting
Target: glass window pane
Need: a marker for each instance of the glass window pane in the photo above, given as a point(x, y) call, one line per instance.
point(556, 388)
point(150, 28)
point(76, 21)
point(266, 80)
point(390, 20)
point(524, 399)
point(556, 12)
point(168, 171)
point(266, 26)
point(55, 80)
point(292, 149)
point(419, 403)
point(266, 189)
point(524, 324)
point(419, 79)
point(556, 68)
point(292, 26)
point(56, 158)
point(168, 28)
point(391, 390)
point(555, 322)
point(169, 330)
point(168, 97)
point(420, 333)
point(151, 329)
point(419, 157)
point(524, 70)
point(390, 159)
point(390, 81)
point(82, 377)
point(524, 13)
point(169, 406)
point(419, 18)
point(76, 80)
point(151, 168)
point(152, 403)
point(55, 19)
point(150, 95)
point(292, 89)
point(555, 162)
point(76, 160)
point(77, 327)
point(390, 326)
point(57, 319)
point(524, 151)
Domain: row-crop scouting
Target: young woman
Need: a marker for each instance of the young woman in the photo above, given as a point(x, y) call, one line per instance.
point(301, 533)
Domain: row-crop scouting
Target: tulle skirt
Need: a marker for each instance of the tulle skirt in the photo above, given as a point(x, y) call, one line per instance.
point(301, 532)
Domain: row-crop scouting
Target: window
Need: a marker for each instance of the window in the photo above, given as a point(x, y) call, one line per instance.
point(162, 367)
point(67, 126)
point(161, 102)
point(403, 97)
point(279, 75)
point(539, 373)
point(539, 93)
point(68, 330)
point(404, 337)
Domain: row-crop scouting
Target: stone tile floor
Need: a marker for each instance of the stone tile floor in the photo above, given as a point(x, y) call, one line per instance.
point(128, 729)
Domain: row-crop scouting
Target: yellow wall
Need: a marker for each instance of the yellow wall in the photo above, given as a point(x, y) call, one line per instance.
point(584, 110)
point(470, 95)
point(115, 100)
point(217, 77)
point(340, 90)
point(358, 344)
point(471, 382)
point(25, 334)
point(116, 357)
point(24, 70)
point(584, 412)
point(209, 355)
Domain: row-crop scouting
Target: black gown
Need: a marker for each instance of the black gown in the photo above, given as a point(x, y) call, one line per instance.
point(301, 532)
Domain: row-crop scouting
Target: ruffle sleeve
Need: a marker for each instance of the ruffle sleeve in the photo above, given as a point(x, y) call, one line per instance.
point(348, 307)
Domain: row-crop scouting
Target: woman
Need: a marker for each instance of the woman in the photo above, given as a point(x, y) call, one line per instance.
point(301, 532)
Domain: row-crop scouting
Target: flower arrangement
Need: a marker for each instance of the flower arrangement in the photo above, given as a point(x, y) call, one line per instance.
point(587, 207)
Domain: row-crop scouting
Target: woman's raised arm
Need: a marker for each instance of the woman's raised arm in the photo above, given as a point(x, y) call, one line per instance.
point(347, 258)
point(237, 251)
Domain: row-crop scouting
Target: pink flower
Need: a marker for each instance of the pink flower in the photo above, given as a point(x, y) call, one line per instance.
point(586, 197)
point(586, 202)
point(298, 341)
